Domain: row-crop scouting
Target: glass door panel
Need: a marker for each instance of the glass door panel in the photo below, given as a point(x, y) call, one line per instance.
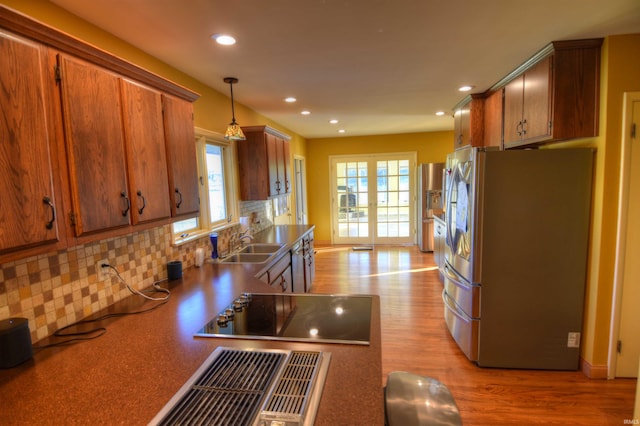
point(353, 199)
point(394, 199)
point(380, 213)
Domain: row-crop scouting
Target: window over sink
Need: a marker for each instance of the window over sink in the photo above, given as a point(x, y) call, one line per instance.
point(216, 187)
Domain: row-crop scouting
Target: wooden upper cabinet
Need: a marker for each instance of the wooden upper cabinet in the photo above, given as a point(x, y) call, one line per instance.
point(286, 162)
point(274, 159)
point(29, 214)
point(95, 146)
point(146, 154)
point(527, 105)
point(555, 95)
point(279, 165)
point(470, 122)
point(83, 148)
point(493, 118)
point(181, 156)
point(264, 163)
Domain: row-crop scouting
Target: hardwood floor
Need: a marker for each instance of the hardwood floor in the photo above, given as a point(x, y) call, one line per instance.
point(415, 339)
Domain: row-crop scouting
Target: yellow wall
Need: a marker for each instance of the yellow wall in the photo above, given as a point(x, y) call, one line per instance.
point(431, 147)
point(621, 73)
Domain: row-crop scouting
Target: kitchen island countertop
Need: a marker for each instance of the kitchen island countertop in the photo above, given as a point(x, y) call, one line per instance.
point(127, 375)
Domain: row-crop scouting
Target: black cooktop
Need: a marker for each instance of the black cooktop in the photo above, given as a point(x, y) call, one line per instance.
point(294, 317)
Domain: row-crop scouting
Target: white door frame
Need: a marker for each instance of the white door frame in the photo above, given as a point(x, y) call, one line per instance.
point(623, 201)
point(301, 188)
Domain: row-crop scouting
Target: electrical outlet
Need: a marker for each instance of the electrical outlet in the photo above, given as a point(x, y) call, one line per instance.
point(104, 273)
point(573, 340)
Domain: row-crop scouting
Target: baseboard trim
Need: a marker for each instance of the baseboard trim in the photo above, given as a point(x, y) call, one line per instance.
point(593, 371)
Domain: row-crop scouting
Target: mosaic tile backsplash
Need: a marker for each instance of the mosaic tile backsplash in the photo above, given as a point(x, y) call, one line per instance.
point(59, 288)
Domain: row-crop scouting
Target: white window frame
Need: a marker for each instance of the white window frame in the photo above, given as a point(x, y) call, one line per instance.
point(204, 137)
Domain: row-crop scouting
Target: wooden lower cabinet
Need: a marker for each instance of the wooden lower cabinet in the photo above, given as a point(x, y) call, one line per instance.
point(308, 252)
point(279, 275)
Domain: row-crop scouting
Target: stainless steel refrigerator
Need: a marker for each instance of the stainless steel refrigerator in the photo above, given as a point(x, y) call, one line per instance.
point(516, 254)
point(430, 203)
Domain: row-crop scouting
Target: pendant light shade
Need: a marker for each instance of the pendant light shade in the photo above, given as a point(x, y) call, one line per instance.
point(234, 132)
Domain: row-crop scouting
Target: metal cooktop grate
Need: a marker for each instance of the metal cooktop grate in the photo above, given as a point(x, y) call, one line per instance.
point(296, 383)
point(229, 391)
point(232, 385)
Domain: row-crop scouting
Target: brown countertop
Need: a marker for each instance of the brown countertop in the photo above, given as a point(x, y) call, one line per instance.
point(127, 375)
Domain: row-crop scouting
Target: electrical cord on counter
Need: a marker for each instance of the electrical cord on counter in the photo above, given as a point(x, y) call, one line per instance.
point(94, 333)
point(139, 293)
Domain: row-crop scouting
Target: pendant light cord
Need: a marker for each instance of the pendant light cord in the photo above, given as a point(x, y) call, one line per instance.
point(233, 111)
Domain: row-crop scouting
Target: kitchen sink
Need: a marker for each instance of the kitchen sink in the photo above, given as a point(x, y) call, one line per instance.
point(247, 258)
point(261, 248)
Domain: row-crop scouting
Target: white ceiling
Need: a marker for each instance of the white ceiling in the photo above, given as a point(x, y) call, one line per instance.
point(379, 66)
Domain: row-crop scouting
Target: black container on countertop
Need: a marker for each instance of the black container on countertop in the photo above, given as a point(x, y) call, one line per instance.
point(174, 270)
point(15, 342)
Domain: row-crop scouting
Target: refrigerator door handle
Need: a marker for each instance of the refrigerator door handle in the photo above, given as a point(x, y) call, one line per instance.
point(455, 278)
point(450, 304)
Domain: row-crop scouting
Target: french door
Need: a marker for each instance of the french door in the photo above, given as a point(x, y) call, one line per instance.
point(373, 199)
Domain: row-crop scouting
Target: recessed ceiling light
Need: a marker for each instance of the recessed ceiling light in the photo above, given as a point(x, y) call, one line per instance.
point(439, 113)
point(333, 121)
point(290, 99)
point(224, 39)
point(465, 88)
point(341, 131)
point(305, 112)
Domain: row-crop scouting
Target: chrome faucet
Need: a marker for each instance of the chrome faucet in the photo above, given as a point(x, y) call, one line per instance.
point(236, 239)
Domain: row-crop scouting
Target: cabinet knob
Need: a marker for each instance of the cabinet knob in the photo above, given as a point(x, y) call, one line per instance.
point(180, 201)
point(48, 202)
point(144, 202)
point(126, 210)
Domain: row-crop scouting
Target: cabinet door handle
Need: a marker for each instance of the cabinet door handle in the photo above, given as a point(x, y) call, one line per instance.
point(179, 202)
point(519, 128)
point(126, 210)
point(48, 202)
point(144, 202)
point(524, 127)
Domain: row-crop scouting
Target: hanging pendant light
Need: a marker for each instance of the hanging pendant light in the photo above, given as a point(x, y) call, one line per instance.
point(234, 132)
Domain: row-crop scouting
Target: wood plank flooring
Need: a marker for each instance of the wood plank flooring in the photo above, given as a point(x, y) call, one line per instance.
point(415, 339)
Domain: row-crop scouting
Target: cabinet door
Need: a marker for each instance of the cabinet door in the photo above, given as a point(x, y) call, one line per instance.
point(513, 95)
point(181, 156)
point(273, 158)
point(95, 146)
point(493, 119)
point(536, 101)
point(458, 124)
point(27, 214)
point(146, 155)
point(286, 167)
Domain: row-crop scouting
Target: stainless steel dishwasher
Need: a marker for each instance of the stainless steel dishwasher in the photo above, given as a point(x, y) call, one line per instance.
point(297, 267)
